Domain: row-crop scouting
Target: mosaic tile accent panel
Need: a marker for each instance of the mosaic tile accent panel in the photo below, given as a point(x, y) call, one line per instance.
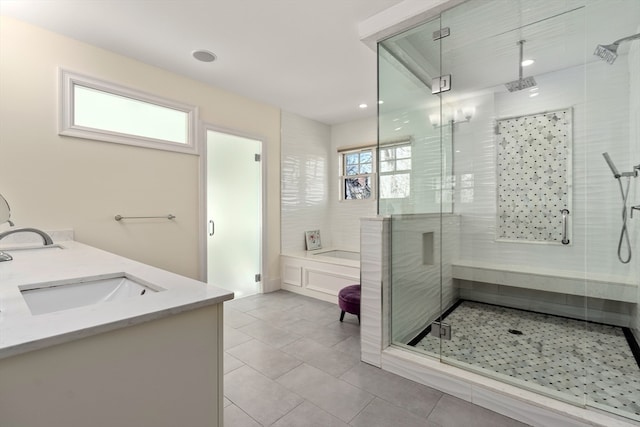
point(534, 176)
point(558, 353)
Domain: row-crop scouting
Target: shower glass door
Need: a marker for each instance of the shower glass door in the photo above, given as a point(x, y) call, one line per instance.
point(510, 231)
point(514, 155)
point(414, 162)
point(612, 126)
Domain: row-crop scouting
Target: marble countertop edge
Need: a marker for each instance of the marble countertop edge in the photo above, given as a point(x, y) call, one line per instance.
point(21, 331)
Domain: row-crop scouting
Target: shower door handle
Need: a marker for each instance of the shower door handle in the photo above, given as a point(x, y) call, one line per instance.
point(565, 214)
point(211, 228)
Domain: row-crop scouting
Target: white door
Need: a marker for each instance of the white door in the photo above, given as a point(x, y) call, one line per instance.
point(234, 212)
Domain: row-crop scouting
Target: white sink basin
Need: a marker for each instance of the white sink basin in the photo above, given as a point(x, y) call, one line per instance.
point(63, 295)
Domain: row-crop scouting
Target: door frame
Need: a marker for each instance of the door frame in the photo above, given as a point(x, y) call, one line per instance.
point(202, 200)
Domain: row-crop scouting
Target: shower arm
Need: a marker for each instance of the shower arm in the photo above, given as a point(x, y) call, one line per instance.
point(520, 73)
point(624, 39)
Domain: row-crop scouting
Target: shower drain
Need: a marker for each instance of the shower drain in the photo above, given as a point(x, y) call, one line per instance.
point(515, 332)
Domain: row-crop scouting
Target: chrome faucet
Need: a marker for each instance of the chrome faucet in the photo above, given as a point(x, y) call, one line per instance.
point(45, 238)
point(5, 256)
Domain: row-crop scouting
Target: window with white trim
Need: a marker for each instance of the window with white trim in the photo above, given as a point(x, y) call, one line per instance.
point(98, 110)
point(357, 173)
point(395, 171)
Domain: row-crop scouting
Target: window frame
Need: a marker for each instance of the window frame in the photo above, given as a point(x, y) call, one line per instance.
point(66, 126)
point(394, 145)
point(342, 158)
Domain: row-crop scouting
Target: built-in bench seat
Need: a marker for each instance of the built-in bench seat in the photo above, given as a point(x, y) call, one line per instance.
point(570, 283)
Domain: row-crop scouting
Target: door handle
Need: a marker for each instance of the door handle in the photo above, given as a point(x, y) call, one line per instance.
point(565, 239)
point(211, 227)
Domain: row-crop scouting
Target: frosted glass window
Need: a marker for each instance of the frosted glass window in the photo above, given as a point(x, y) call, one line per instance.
point(114, 113)
point(98, 110)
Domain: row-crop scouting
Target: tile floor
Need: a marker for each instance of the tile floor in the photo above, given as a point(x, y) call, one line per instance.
point(557, 353)
point(290, 362)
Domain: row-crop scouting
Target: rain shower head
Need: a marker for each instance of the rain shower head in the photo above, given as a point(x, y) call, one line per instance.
point(609, 52)
point(616, 174)
point(521, 83)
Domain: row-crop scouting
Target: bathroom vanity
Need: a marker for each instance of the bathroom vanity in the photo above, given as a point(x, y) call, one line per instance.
point(147, 352)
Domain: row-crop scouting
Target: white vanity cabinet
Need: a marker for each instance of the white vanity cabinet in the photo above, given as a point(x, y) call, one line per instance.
point(154, 360)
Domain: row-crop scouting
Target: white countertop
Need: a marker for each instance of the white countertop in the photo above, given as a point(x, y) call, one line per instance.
point(20, 331)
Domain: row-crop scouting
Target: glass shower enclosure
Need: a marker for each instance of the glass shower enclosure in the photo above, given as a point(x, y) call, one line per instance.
point(514, 253)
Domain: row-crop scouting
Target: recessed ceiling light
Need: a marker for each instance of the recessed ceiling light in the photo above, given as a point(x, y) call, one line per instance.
point(527, 62)
point(204, 55)
point(381, 102)
point(363, 105)
point(534, 94)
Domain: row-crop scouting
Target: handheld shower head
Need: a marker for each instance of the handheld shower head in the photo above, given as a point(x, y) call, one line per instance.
point(609, 52)
point(615, 171)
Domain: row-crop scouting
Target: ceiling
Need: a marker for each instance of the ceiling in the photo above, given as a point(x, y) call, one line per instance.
point(559, 35)
point(304, 57)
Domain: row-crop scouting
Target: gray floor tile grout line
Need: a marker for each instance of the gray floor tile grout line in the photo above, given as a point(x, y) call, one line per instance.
point(365, 406)
point(326, 317)
point(284, 415)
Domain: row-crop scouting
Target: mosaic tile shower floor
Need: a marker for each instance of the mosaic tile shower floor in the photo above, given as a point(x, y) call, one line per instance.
point(550, 352)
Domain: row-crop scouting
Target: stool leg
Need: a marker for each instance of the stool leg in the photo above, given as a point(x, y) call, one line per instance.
point(342, 316)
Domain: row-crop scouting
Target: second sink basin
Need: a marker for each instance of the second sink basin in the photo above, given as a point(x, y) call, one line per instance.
point(49, 297)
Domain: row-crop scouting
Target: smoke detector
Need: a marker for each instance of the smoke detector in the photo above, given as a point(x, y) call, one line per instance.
point(204, 55)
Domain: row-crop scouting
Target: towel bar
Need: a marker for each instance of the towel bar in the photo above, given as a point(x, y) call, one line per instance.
point(120, 217)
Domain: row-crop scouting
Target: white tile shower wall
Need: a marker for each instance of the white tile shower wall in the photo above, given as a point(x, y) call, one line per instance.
point(345, 214)
point(417, 271)
point(599, 126)
point(304, 181)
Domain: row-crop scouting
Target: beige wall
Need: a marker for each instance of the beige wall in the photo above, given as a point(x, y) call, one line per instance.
point(55, 182)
